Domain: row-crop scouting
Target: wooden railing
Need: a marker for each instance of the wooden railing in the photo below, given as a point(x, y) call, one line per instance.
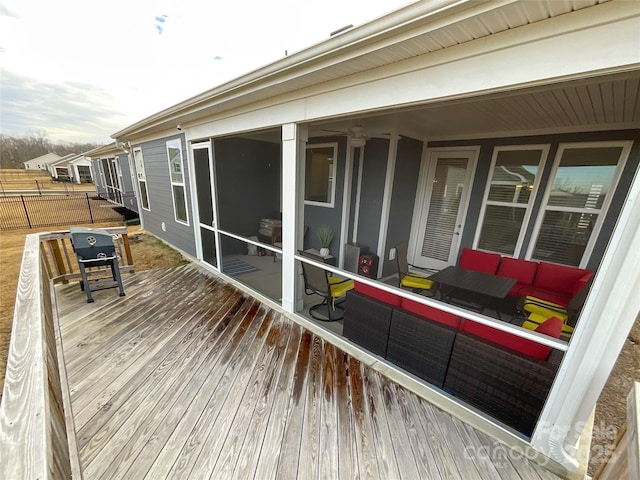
point(60, 260)
point(624, 462)
point(35, 432)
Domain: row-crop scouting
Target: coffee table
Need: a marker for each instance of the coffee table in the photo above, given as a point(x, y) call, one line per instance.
point(472, 286)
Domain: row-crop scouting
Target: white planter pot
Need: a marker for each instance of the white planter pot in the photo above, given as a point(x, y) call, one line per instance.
point(324, 252)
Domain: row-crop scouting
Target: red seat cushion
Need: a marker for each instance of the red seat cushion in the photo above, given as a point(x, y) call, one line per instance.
point(479, 261)
point(523, 271)
point(386, 297)
point(551, 327)
point(431, 313)
point(560, 279)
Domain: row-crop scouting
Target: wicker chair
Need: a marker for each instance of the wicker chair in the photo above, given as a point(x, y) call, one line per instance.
point(333, 289)
point(414, 282)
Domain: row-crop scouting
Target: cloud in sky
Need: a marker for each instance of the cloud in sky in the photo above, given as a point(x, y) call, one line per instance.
point(73, 112)
point(135, 58)
point(160, 20)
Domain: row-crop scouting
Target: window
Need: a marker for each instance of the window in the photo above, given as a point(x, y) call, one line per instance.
point(320, 175)
point(142, 179)
point(512, 186)
point(174, 152)
point(583, 178)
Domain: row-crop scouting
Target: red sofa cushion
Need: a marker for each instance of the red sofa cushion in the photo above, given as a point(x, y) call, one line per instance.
point(479, 261)
point(559, 279)
point(386, 297)
point(551, 327)
point(431, 313)
point(524, 271)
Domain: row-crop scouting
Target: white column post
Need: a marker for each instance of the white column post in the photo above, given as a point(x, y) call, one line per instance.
point(294, 140)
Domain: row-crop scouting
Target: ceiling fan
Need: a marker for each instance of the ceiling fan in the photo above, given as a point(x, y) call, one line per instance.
point(358, 134)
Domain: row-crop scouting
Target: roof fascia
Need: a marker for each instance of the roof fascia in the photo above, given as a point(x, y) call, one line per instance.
point(404, 23)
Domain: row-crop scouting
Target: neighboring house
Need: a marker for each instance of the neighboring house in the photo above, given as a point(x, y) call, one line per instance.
point(80, 169)
point(41, 162)
point(113, 175)
point(59, 169)
point(511, 127)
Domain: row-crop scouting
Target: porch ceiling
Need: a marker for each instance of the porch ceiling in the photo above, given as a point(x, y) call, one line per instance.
point(603, 103)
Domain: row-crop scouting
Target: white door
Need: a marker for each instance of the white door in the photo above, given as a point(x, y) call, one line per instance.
point(443, 198)
point(205, 199)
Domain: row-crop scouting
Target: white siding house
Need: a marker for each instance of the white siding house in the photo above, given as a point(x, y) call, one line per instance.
point(41, 162)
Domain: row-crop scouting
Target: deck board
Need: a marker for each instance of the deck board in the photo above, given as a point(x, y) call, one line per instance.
point(187, 377)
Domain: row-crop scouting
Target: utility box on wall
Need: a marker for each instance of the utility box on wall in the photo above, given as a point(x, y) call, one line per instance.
point(352, 252)
point(368, 265)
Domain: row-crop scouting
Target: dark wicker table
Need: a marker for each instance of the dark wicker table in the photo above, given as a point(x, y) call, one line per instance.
point(471, 286)
point(475, 282)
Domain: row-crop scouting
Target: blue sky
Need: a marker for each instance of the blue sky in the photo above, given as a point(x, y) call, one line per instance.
point(79, 70)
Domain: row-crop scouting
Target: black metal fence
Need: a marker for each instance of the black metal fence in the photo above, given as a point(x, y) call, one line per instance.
point(30, 211)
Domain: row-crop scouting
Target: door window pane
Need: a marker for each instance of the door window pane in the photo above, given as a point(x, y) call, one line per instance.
point(444, 204)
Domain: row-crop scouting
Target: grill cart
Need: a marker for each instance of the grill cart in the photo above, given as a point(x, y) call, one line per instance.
point(94, 248)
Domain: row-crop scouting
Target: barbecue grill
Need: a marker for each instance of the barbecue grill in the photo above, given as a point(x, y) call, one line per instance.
point(94, 248)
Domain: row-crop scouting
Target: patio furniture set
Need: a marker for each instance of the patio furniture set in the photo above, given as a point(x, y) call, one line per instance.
point(505, 376)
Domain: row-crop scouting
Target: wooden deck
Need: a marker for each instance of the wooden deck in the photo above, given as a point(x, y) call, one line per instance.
point(187, 377)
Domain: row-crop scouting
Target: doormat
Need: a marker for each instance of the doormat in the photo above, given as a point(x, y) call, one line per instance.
point(237, 267)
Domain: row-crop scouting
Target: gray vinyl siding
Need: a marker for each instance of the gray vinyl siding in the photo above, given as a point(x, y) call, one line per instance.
point(374, 172)
point(482, 172)
point(405, 187)
point(314, 216)
point(156, 164)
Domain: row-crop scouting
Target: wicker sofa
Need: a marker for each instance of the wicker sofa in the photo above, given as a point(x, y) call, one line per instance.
point(499, 373)
point(553, 283)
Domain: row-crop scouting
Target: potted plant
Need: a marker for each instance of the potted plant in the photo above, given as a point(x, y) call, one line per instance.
point(325, 235)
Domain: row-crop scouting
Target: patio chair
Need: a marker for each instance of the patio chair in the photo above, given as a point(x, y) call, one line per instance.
point(412, 281)
point(317, 281)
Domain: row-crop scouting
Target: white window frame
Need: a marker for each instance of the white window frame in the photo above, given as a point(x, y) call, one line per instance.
point(528, 206)
point(333, 174)
point(176, 144)
point(600, 212)
point(141, 177)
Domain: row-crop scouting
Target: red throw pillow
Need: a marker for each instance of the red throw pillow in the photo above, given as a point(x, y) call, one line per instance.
point(551, 326)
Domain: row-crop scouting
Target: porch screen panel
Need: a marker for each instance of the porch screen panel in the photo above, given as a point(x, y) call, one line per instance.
point(445, 197)
point(203, 185)
point(576, 203)
point(514, 179)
